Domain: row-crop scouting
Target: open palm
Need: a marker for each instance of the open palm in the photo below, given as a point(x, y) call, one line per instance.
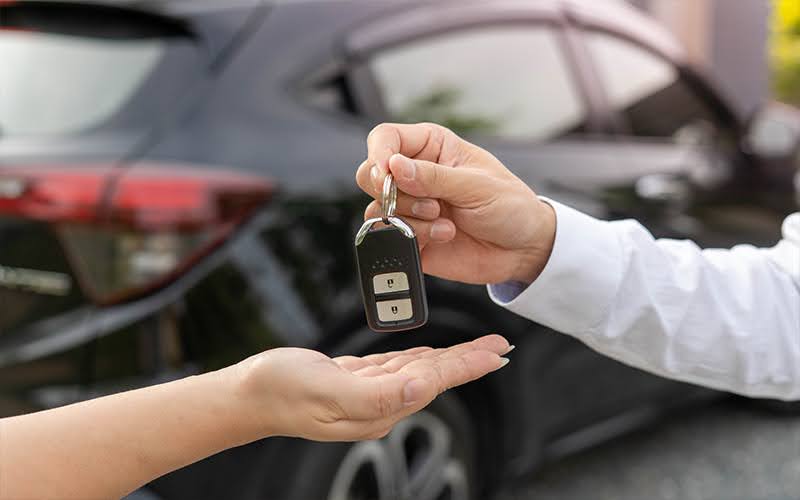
point(352, 398)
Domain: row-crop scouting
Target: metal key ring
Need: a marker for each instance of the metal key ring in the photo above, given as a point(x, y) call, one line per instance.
point(397, 222)
point(388, 198)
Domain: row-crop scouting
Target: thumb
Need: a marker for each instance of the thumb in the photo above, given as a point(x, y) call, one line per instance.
point(460, 186)
point(371, 398)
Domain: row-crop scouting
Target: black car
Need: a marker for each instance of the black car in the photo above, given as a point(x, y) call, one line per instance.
point(177, 192)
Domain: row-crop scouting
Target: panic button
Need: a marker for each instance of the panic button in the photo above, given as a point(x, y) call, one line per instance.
point(394, 310)
point(390, 282)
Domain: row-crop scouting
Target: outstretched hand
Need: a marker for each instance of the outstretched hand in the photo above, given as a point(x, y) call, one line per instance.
point(303, 393)
point(107, 447)
point(475, 221)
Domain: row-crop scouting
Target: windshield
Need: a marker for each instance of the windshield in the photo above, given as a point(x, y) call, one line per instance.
point(70, 69)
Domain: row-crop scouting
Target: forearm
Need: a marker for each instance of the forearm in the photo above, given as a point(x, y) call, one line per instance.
point(728, 319)
point(107, 447)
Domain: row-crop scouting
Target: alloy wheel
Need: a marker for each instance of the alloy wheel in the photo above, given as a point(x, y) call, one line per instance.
point(415, 461)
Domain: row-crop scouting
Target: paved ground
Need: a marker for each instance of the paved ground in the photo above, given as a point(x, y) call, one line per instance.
point(723, 452)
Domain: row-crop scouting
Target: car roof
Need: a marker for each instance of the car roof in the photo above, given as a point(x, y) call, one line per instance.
point(163, 7)
point(620, 17)
point(614, 15)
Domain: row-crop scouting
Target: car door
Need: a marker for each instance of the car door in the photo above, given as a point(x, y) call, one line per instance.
point(681, 139)
point(509, 85)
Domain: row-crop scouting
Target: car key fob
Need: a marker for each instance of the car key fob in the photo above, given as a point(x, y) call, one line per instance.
point(390, 274)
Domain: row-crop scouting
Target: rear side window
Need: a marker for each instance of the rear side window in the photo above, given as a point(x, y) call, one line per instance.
point(645, 89)
point(72, 69)
point(506, 82)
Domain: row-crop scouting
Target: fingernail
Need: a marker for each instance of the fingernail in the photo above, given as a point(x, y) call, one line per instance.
point(413, 391)
point(375, 172)
point(503, 362)
point(408, 169)
point(510, 348)
point(425, 209)
point(440, 230)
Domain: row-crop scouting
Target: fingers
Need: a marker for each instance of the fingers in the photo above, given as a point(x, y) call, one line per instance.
point(422, 140)
point(461, 186)
point(380, 364)
point(354, 363)
point(422, 208)
point(420, 377)
point(440, 230)
point(445, 372)
point(421, 179)
point(491, 343)
point(381, 358)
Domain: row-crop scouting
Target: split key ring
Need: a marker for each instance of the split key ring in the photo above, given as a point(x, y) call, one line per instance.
point(388, 198)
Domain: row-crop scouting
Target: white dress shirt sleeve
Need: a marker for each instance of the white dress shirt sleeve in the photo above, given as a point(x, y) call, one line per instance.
point(726, 319)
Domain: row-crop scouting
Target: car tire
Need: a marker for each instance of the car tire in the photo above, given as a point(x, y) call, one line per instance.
point(428, 455)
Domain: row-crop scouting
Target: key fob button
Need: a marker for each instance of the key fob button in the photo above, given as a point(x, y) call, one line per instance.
point(394, 310)
point(390, 282)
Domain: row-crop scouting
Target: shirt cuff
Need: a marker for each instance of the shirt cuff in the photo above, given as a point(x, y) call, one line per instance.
point(574, 291)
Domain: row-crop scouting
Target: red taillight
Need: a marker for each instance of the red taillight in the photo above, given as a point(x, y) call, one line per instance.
point(127, 230)
point(52, 195)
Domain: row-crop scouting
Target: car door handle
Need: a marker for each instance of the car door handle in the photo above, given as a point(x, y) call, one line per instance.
point(663, 188)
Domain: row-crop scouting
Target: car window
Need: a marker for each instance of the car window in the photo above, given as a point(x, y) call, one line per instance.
point(506, 82)
point(645, 89)
point(61, 84)
point(72, 69)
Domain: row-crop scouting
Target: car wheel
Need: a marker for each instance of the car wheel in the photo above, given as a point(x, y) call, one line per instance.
point(428, 456)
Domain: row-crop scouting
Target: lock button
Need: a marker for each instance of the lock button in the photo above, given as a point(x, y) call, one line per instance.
point(390, 282)
point(394, 310)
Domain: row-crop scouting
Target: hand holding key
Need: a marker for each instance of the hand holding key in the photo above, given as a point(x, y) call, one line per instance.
point(475, 221)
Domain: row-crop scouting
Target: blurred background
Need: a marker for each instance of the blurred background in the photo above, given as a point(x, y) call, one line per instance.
point(177, 192)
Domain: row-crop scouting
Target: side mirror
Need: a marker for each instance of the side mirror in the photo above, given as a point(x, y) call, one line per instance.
point(773, 133)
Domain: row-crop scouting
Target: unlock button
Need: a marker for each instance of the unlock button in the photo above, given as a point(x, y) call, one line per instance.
point(390, 282)
point(394, 310)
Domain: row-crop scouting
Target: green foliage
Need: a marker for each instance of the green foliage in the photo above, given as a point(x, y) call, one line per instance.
point(439, 106)
point(785, 51)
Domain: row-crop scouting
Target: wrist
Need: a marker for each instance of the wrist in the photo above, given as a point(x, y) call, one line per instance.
point(533, 257)
point(253, 415)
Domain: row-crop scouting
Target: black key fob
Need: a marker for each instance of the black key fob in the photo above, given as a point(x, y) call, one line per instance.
point(390, 273)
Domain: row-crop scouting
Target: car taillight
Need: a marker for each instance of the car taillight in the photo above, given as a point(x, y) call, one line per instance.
point(128, 230)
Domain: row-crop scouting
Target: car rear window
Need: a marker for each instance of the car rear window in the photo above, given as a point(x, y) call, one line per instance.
point(73, 69)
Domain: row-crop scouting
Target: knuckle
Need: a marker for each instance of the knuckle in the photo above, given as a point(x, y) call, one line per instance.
point(438, 135)
point(435, 175)
point(377, 130)
point(435, 137)
point(441, 380)
point(371, 209)
point(362, 179)
point(464, 369)
point(374, 131)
